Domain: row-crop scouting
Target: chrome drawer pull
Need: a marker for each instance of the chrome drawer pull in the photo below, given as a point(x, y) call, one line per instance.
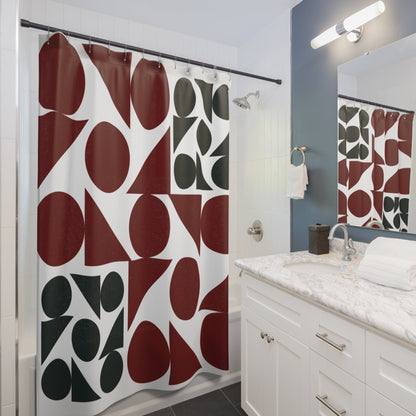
point(263, 334)
point(324, 337)
point(322, 399)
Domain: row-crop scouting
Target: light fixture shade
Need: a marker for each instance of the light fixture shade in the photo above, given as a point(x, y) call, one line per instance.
point(364, 16)
point(347, 25)
point(325, 37)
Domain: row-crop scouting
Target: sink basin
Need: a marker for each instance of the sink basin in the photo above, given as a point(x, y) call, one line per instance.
point(312, 267)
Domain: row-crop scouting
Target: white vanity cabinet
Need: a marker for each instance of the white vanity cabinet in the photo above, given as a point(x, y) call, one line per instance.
point(301, 359)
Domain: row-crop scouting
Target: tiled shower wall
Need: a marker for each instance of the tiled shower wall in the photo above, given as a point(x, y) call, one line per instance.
point(8, 143)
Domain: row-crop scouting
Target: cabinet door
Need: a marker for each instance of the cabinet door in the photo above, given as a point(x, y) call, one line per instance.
point(274, 375)
point(378, 405)
point(333, 390)
point(258, 367)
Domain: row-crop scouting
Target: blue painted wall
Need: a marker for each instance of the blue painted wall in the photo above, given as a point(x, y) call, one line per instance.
point(314, 101)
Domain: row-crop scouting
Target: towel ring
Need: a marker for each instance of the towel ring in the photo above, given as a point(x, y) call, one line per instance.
point(301, 149)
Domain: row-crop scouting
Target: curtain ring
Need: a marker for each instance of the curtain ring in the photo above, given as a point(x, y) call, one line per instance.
point(215, 73)
point(89, 45)
point(49, 35)
point(202, 67)
point(175, 62)
point(143, 53)
point(68, 38)
point(108, 48)
point(158, 60)
point(229, 75)
point(188, 72)
point(125, 53)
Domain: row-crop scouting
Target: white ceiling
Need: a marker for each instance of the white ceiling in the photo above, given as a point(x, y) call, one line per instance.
point(230, 22)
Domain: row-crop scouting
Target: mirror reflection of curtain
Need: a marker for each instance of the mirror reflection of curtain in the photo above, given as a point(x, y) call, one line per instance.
point(374, 165)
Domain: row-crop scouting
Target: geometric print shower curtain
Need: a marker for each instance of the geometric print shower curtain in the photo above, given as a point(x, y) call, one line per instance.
point(374, 165)
point(132, 226)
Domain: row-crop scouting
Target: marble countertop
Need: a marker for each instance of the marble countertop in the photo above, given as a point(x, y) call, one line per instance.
point(389, 310)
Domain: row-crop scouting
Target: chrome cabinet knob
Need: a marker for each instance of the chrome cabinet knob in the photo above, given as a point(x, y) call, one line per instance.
point(269, 339)
point(263, 334)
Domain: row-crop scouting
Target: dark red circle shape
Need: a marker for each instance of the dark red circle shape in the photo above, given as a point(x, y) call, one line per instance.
point(214, 340)
point(214, 224)
point(150, 93)
point(61, 76)
point(107, 157)
point(60, 228)
point(184, 288)
point(149, 226)
point(359, 203)
point(148, 357)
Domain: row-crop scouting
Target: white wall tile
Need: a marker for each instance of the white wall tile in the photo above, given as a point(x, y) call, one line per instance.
point(7, 270)
point(89, 22)
point(8, 378)
point(121, 32)
point(8, 183)
point(8, 16)
point(8, 108)
point(106, 26)
point(38, 11)
point(55, 14)
point(72, 18)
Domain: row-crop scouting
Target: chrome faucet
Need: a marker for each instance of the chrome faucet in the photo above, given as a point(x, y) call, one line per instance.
point(348, 248)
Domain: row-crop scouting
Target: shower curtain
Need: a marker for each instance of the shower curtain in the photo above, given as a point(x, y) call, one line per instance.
point(132, 226)
point(374, 165)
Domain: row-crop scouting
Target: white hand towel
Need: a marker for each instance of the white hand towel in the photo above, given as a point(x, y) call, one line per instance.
point(297, 179)
point(390, 262)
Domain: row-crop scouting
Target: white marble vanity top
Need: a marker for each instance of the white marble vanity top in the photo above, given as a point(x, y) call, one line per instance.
point(392, 311)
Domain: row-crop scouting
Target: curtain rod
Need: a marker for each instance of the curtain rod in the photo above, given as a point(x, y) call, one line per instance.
point(388, 107)
point(27, 23)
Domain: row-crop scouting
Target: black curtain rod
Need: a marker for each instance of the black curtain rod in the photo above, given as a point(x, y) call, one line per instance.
point(51, 29)
point(388, 107)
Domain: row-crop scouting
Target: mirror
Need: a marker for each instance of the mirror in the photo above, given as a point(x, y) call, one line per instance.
point(376, 170)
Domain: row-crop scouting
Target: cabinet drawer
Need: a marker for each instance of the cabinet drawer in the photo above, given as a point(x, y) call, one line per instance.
point(338, 340)
point(391, 370)
point(285, 311)
point(378, 405)
point(335, 388)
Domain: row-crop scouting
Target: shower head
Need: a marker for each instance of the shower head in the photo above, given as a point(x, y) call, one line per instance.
point(243, 101)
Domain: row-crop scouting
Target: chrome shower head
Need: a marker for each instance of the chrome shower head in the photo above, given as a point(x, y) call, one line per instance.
point(243, 101)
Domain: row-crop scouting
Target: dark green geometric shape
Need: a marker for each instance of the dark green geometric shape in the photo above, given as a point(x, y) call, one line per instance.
point(112, 291)
point(364, 118)
point(180, 128)
point(86, 339)
point(347, 113)
point(81, 390)
point(56, 296)
point(386, 224)
point(206, 92)
point(342, 148)
point(200, 181)
point(404, 206)
point(354, 152)
point(184, 97)
point(352, 134)
point(203, 136)
point(388, 204)
point(341, 132)
point(184, 170)
point(111, 372)
point(56, 380)
point(219, 172)
point(223, 148)
point(90, 289)
point(220, 102)
point(396, 221)
point(115, 339)
point(363, 151)
point(50, 333)
point(365, 135)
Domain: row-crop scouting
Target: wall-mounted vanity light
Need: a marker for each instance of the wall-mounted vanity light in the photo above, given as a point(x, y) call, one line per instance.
point(353, 25)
